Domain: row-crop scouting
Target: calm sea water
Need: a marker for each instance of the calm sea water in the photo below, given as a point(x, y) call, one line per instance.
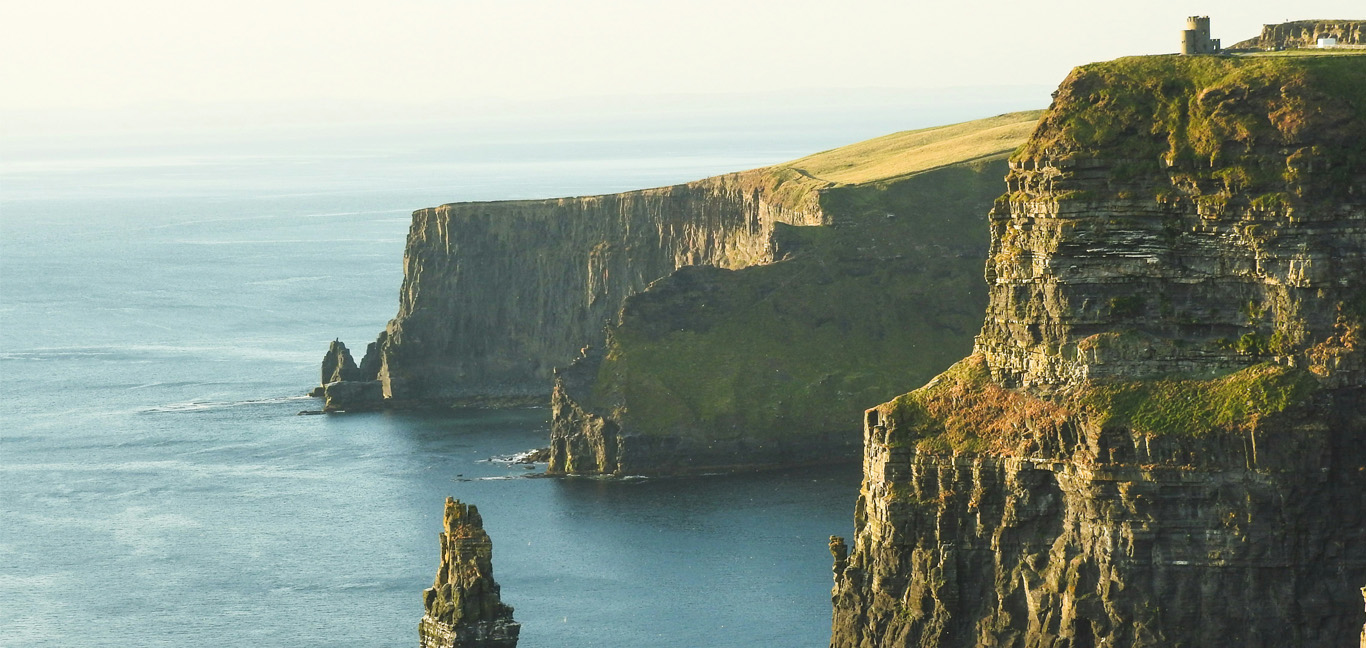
point(162, 310)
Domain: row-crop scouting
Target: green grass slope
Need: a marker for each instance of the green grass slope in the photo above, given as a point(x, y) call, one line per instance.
point(909, 152)
point(854, 314)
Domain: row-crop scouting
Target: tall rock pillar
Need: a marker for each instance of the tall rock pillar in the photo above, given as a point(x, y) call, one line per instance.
point(463, 606)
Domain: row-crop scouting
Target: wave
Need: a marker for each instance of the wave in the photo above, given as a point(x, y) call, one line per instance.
point(56, 354)
point(200, 406)
point(525, 457)
point(289, 241)
point(287, 280)
point(136, 352)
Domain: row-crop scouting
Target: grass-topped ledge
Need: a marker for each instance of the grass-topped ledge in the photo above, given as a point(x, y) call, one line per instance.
point(963, 412)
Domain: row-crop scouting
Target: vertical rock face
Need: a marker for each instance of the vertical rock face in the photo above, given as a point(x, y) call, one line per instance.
point(1161, 437)
point(1227, 233)
point(496, 294)
point(712, 369)
point(1305, 34)
point(463, 606)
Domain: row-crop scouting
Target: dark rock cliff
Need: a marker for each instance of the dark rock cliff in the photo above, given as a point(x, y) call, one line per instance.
point(347, 387)
point(1160, 438)
point(464, 608)
point(496, 294)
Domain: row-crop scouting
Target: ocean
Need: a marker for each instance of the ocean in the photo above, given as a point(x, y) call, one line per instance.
point(164, 307)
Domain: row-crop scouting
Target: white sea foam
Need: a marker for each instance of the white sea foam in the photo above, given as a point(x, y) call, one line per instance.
point(199, 406)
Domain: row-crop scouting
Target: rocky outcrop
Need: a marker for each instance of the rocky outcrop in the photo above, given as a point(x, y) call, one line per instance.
point(496, 294)
point(1303, 34)
point(338, 365)
point(346, 387)
point(353, 396)
point(464, 606)
point(1159, 439)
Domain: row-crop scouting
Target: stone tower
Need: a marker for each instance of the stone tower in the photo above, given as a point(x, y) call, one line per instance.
point(464, 606)
point(1195, 37)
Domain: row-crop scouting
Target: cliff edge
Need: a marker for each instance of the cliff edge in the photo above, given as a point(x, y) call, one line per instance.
point(713, 369)
point(1305, 34)
point(496, 294)
point(1158, 440)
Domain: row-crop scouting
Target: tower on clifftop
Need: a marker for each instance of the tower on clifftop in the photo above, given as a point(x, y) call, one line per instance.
point(1195, 37)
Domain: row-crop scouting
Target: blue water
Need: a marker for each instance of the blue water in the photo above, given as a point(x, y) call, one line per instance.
point(162, 308)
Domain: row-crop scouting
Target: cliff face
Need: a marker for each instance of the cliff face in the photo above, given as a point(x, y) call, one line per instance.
point(463, 607)
point(1159, 440)
point(714, 369)
point(1181, 217)
point(1302, 34)
point(496, 294)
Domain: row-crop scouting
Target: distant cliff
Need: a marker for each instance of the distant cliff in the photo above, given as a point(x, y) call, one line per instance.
point(496, 294)
point(713, 369)
point(1302, 34)
point(1161, 437)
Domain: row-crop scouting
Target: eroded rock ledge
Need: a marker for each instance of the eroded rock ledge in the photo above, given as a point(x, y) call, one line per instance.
point(990, 517)
point(464, 608)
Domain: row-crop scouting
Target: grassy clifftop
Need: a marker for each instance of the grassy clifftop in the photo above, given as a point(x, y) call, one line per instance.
point(1238, 124)
point(915, 151)
point(855, 312)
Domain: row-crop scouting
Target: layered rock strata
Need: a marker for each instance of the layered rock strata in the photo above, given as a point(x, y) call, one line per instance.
point(496, 294)
point(1304, 34)
point(464, 608)
point(1161, 437)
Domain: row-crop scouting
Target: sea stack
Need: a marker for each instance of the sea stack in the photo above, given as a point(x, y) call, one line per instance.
point(463, 606)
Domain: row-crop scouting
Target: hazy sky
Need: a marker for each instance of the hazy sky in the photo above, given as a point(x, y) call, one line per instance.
point(76, 60)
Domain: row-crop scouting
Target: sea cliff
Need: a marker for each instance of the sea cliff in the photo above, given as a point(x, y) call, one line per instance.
point(713, 369)
point(496, 294)
point(1302, 34)
point(1159, 438)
